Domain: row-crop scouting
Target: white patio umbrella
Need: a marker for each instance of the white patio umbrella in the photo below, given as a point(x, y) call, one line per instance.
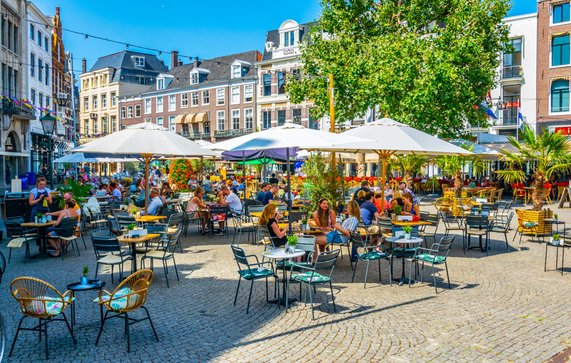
point(288, 136)
point(147, 141)
point(391, 137)
point(80, 158)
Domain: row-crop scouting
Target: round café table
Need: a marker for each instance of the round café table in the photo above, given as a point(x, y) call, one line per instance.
point(410, 243)
point(281, 254)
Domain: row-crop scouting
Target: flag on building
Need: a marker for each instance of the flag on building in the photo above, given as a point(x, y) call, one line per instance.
point(520, 121)
point(484, 107)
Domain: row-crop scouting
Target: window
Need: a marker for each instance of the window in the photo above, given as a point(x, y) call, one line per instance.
point(32, 64)
point(86, 127)
point(86, 103)
point(160, 121)
point(33, 31)
point(206, 97)
point(46, 44)
point(40, 38)
point(94, 102)
point(137, 110)
point(267, 79)
point(220, 96)
point(249, 119)
point(184, 100)
point(235, 97)
point(129, 111)
point(103, 101)
point(105, 125)
point(560, 50)
point(48, 104)
point(220, 121)
point(289, 39)
point(296, 115)
point(194, 78)
point(160, 83)
point(139, 61)
point(194, 98)
point(2, 30)
point(41, 99)
point(47, 78)
point(147, 105)
point(160, 104)
point(123, 113)
point(236, 119)
point(560, 96)
point(206, 128)
point(560, 13)
point(33, 96)
point(281, 117)
point(40, 69)
point(172, 102)
point(266, 119)
point(114, 99)
point(95, 127)
point(113, 123)
point(172, 124)
point(236, 71)
point(281, 83)
point(248, 93)
point(15, 49)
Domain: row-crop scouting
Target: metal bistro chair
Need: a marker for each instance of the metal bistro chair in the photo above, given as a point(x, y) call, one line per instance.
point(244, 224)
point(108, 252)
point(19, 236)
point(325, 263)
point(476, 226)
point(429, 231)
point(164, 253)
point(129, 296)
point(40, 300)
point(175, 222)
point(503, 226)
point(435, 255)
point(219, 213)
point(369, 253)
point(451, 224)
point(65, 231)
point(252, 272)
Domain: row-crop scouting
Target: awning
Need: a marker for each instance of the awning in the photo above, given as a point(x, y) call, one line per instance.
point(189, 118)
point(179, 119)
point(201, 117)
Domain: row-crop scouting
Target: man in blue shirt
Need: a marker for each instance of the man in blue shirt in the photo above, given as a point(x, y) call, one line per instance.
point(261, 196)
point(368, 209)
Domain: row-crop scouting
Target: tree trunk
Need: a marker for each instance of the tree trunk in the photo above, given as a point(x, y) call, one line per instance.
point(457, 185)
point(538, 197)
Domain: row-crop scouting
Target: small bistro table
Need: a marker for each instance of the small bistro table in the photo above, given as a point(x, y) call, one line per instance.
point(408, 242)
point(77, 287)
point(134, 240)
point(149, 219)
point(280, 253)
point(43, 231)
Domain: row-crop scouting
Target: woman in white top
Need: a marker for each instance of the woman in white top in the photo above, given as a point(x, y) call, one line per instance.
point(40, 198)
point(197, 209)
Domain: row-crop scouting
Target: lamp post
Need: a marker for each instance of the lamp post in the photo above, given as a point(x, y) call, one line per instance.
point(49, 125)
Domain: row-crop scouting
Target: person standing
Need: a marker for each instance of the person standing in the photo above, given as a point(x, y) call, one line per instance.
point(40, 198)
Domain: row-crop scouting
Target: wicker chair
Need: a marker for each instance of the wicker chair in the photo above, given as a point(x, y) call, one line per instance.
point(129, 296)
point(40, 300)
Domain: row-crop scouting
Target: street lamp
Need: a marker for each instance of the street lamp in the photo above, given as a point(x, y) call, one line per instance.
point(49, 125)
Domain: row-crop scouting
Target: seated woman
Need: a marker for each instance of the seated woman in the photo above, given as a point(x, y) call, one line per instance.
point(397, 200)
point(361, 197)
point(269, 219)
point(410, 207)
point(68, 212)
point(197, 209)
point(101, 192)
point(343, 231)
point(324, 220)
point(379, 202)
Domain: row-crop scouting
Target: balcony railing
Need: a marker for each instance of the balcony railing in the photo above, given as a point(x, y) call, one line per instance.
point(512, 72)
point(196, 135)
point(232, 133)
point(9, 107)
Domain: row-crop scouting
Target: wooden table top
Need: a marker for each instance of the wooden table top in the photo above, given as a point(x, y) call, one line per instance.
point(38, 225)
point(143, 219)
point(145, 238)
point(411, 223)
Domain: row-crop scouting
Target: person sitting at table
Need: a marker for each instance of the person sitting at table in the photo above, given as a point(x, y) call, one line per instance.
point(269, 219)
point(166, 190)
point(378, 202)
point(405, 189)
point(323, 219)
point(207, 185)
point(68, 212)
point(410, 206)
point(361, 197)
point(67, 196)
point(343, 231)
point(228, 199)
point(155, 203)
point(196, 208)
point(389, 192)
point(115, 192)
point(369, 212)
point(364, 187)
point(40, 198)
point(101, 191)
point(272, 193)
point(261, 196)
point(397, 200)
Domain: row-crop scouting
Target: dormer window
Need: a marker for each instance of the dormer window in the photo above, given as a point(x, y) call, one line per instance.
point(160, 83)
point(198, 75)
point(163, 81)
point(194, 78)
point(240, 68)
point(236, 71)
point(289, 34)
point(289, 39)
point(139, 61)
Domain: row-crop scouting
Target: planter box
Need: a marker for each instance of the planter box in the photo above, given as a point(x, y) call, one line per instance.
point(525, 216)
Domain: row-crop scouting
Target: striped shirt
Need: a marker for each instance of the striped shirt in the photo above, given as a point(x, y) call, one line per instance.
point(348, 224)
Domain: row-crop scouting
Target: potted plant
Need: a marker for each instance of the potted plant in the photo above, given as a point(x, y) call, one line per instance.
point(407, 230)
point(131, 226)
point(556, 239)
point(291, 243)
point(304, 226)
point(84, 279)
point(397, 210)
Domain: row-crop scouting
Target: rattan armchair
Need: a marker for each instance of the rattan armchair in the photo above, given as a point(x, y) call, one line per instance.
point(129, 296)
point(40, 300)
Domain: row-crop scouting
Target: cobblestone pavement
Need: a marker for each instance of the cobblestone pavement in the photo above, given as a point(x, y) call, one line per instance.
point(502, 307)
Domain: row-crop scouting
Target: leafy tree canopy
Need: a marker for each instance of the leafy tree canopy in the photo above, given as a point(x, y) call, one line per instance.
point(423, 62)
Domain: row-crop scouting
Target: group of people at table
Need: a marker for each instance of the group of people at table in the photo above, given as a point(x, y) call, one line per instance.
point(365, 208)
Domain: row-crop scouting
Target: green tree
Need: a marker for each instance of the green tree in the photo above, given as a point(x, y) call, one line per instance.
point(409, 164)
point(423, 62)
point(452, 166)
point(548, 152)
point(322, 181)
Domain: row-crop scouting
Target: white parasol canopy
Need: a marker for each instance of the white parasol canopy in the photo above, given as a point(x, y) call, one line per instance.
point(80, 158)
point(147, 141)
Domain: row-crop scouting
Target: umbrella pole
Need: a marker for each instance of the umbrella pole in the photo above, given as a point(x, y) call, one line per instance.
point(244, 172)
point(147, 158)
point(289, 202)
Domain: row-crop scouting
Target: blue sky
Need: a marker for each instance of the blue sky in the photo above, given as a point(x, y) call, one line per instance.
point(194, 28)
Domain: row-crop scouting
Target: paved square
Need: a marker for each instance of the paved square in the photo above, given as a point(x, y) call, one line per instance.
point(502, 307)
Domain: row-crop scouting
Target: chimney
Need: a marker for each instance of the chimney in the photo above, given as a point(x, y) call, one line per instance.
point(174, 58)
point(57, 10)
point(83, 65)
point(196, 62)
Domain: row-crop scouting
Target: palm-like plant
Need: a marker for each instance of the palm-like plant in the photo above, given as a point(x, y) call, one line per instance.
point(452, 166)
point(548, 152)
point(409, 164)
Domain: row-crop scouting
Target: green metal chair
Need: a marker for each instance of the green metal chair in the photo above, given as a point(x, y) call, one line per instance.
point(251, 272)
point(368, 253)
point(437, 254)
